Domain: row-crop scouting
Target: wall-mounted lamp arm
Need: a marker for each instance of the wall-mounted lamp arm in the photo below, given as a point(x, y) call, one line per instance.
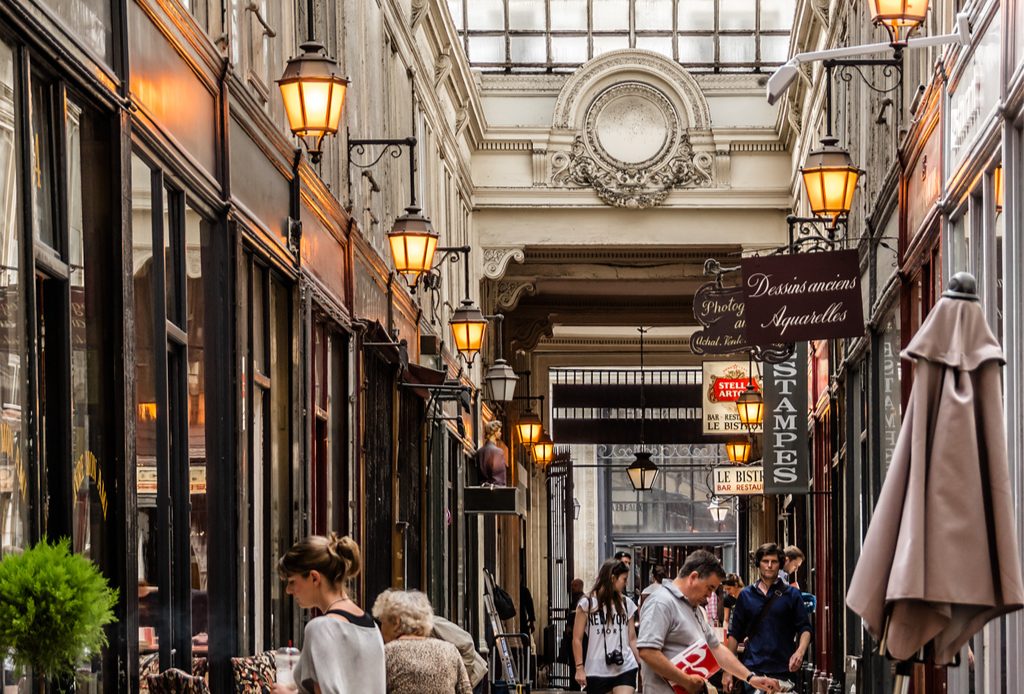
point(393, 147)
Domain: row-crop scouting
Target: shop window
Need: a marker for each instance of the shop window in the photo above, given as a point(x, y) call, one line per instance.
point(267, 523)
point(14, 492)
point(330, 479)
point(171, 437)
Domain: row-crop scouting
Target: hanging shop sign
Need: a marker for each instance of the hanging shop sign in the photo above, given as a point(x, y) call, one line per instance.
point(724, 382)
point(785, 454)
point(733, 479)
point(720, 311)
point(805, 296)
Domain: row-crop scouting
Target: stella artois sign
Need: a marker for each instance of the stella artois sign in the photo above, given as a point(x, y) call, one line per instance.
point(724, 382)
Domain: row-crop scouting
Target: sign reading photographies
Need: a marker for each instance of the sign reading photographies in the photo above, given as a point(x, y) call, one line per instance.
point(720, 310)
point(785, 455)
point(739, 479)
point(724, 382)
point(804, 296)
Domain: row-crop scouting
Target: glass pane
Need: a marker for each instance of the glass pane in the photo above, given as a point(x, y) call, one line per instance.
point(197, 234)
point(604, 44)
point(774, 49)
point(486, 15)
point(696, 49)
point(611, 15)
point(171, 268)
point(487, 49)
point(259, 303)
point(777, 14)
point(528, 49)
point(526, 15)
point(145, 417)
point(280, 459)
point(737, 14)
point(654, 14)
point(568, 49)
point(43, 219)
point(569, 14)
point(736, 49)
point(455, 7)
point(658, 44)
point(14, 505)
point(697, 15)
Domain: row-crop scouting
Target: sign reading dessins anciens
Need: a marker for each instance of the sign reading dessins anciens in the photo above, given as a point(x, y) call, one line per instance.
point(785, 452)
point(804, 296)
point(724, 382)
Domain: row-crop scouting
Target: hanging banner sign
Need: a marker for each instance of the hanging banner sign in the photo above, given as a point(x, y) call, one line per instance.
point(739, 479)
point(723, 383)
point(720, 311)
point(785, 456)
point(805, 296)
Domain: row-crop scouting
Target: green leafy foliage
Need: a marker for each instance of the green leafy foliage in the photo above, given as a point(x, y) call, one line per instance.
point(54, 605)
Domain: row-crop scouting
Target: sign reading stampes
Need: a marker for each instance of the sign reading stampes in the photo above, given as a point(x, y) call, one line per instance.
point(805, 296)
point(786, 457)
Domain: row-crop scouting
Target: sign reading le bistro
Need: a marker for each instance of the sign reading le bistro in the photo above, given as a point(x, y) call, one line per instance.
point(804, 296)
point(739, 479)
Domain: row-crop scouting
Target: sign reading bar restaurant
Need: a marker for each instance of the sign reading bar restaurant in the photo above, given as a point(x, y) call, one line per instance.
point(724, 382)
point(739, 479)
point(804, 296)
point(785, 456)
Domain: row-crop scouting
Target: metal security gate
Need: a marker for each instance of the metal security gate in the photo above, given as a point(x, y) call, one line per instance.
point(560, 560)
point(410, 487)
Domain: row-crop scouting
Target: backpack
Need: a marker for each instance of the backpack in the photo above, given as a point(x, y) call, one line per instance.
point(503, 604)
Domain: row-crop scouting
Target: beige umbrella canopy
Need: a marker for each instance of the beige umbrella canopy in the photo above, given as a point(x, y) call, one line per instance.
point(940, 558)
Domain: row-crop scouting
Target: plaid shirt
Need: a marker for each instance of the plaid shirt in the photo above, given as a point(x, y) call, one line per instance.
point(712, 610)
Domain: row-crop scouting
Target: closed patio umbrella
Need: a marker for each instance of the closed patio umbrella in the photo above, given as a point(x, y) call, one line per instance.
point(940, 558)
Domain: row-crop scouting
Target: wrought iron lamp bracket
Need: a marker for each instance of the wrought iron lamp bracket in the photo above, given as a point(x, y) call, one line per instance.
point(431, 279)
point(816, 234)
point(391, 147)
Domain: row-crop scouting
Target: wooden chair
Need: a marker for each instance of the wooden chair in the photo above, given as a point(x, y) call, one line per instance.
point(175, 681)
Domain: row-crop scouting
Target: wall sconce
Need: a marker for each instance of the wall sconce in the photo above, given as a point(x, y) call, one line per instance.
point(997, 187)
point(544, 450)
point(899, 17)
point(529, 426)
point(750, 406)
point(719, 511)
point(314, 94)
point(467, 322)
point(500, 379)
point(738, 451)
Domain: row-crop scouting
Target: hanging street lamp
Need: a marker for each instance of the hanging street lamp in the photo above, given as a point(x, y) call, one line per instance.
point(750, 406)
point(313, 94)
point(830, 180)
point(643, 471)
point(413, 242)
point(719, 511)
point(544, 450)
point(738, 451)
point(899, 17)
point(468, 328)
point(529, 427)
point(500, 380)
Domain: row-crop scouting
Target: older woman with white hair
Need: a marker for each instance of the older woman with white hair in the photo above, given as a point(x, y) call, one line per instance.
point(417, 664)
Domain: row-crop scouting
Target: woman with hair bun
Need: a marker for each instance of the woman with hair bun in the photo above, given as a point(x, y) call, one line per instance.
point(342, 652)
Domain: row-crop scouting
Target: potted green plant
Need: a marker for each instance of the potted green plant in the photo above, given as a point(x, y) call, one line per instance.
point(54, 605)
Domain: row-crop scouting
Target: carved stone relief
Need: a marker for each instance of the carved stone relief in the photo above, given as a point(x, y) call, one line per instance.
point(497, 258)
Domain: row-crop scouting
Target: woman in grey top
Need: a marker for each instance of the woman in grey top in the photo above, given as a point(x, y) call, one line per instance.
point(417, 664)
point(342, 652)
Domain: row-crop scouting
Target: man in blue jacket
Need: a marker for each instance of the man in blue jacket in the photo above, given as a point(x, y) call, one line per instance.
point(770, 616)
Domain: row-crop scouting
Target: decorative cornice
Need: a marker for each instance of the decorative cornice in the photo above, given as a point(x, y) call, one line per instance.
point(757, 147)
point(731, 83)
point(549, 84)
point(497, 258)
point(509, 292)
point(659, 254)
point(506, 145)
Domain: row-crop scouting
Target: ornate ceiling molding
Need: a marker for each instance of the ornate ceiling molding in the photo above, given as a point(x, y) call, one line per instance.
point(525, 335)
point(497, 258)
point(509, 292)
point(646, 66)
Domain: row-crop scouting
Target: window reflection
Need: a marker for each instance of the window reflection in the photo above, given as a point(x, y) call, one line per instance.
point(13, 479)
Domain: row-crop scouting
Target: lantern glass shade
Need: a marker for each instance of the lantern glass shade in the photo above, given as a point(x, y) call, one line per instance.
point(642, 472)
point(830, 180)
point(899, 17)
point(738, 451)
point(413, 242)
point(314, 94)
point(529, 427)
point(544, 450)
point(468, 327)
point(501, 381)
point(719, 511)
point(750, 406)
point(997, 187)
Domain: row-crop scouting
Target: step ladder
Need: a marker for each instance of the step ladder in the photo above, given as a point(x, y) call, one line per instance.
point(511, 669)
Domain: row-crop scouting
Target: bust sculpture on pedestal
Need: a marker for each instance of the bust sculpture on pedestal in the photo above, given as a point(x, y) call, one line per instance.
point(491, 458)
